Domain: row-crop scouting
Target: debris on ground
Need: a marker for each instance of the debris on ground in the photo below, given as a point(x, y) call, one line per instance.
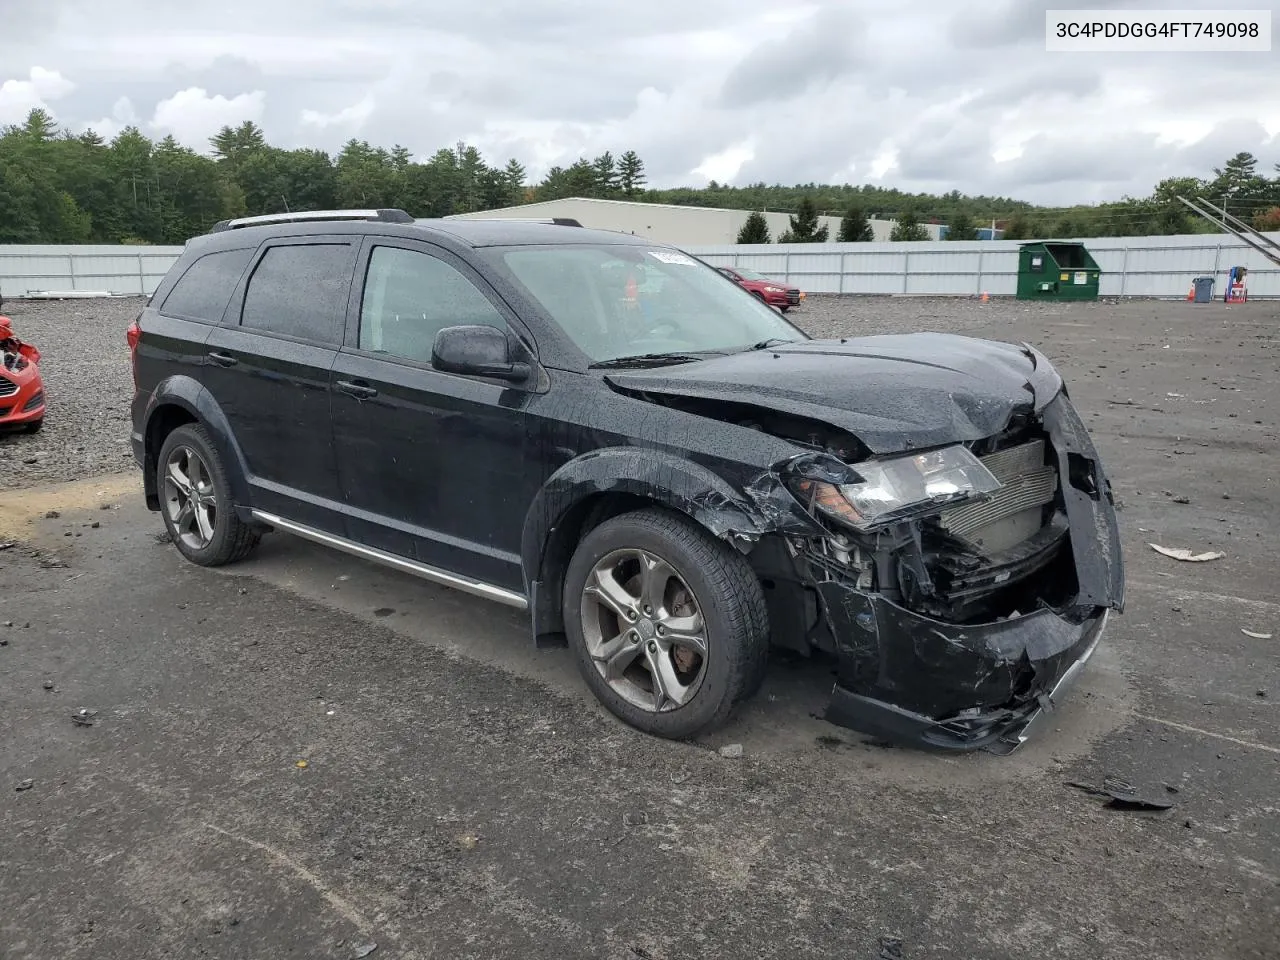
point(1255, 634)
point(48, 684)
point(363, 950)
point(890, 948)
point(1181, 553)
point(52, 515)
point(25, 785)
point(1182, 499)
point(1123, 796)
point(635, 818)
point(731, 750)
point(83, 718)
point(7, 545)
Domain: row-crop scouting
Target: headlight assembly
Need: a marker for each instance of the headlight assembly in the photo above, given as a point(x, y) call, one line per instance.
point(900, 488)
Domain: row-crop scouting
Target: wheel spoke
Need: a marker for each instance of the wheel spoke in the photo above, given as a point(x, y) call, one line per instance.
point(186, 516)
point(654, 575)
point(204, 521)
point(606, 591)
point(179, 477)
point(617, 655)
point(666, 685)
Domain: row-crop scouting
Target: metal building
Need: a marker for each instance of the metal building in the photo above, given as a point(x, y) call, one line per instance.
point(666, 222)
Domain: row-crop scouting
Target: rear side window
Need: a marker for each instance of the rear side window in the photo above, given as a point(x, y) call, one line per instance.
point(300, 290)
point(203, 291)
point(409, 297)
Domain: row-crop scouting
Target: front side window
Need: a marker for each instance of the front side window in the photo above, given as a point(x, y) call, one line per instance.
point(300, 290)
point(619, 300)
point(410, 296)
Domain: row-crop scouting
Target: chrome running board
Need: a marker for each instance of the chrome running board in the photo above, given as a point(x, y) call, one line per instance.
point(474, 587)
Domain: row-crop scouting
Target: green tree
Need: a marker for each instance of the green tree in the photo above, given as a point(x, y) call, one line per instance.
point(960, 227)
point(631, 178)
point(606, 175)
point(909, 228)
point(513, 175)
point(233, 144)
point(804, 225)
point(855, 227)
point(1238, 186)
point(755, 229)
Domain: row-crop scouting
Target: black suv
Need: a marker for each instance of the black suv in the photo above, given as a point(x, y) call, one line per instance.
point(668, 475)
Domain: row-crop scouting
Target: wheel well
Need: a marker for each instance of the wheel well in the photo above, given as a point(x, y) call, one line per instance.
point(579, 520)
point(163, 422)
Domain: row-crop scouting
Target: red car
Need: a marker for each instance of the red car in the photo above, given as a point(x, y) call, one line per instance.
point(773, 292)
point(21, 389)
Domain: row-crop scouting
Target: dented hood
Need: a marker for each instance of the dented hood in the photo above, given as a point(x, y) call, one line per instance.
point(894, 393)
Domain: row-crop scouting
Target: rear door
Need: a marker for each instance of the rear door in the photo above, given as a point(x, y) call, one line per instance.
point(268, 368)
point(433, 466)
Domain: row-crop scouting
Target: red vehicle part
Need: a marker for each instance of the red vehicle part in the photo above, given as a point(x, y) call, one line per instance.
point(775, 293)
point(22, 401)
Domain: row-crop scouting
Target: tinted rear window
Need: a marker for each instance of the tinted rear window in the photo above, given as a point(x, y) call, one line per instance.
point(300, 290)
point(203, 291)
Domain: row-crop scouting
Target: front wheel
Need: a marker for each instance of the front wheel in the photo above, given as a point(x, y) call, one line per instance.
point(667, 624)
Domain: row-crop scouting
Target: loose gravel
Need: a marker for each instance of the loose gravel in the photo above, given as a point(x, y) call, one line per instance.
point(88, 381)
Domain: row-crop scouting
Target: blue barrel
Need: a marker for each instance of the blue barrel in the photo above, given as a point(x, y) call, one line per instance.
point(1204, 289)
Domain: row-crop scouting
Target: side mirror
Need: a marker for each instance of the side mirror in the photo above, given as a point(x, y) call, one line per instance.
point(478, 351)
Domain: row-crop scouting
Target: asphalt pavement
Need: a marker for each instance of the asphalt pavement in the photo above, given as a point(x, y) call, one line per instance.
point(304, 755)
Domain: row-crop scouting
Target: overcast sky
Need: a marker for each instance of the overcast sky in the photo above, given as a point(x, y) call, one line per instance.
point(922, 96)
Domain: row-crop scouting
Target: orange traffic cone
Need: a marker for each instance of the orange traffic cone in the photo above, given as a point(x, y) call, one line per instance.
point(986, 297)
point(1191, 294)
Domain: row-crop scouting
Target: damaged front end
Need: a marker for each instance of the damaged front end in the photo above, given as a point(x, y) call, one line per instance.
point(961, 587)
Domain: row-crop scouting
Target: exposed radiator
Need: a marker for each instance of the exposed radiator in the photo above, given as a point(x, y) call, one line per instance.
point(1013, 512)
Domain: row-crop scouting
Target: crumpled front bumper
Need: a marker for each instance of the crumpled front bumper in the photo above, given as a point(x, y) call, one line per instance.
point(906, 677)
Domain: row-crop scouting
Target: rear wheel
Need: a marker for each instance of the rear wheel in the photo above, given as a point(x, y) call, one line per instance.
point(667, 624)
point(195, 500)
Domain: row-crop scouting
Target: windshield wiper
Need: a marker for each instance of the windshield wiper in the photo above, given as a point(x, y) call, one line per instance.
point(771, 342)
point(649, 360)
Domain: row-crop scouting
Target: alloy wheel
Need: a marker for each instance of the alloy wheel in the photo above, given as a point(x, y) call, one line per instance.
point(189, 497)
point(644, 630)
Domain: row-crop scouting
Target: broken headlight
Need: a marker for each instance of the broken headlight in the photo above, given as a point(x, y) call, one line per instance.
point(900, 488)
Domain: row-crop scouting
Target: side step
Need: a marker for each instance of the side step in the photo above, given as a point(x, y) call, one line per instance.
point(443, 577)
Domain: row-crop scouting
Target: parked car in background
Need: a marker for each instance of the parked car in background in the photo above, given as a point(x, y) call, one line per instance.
point(21, 387)
point(661, 470)
point(773, 292)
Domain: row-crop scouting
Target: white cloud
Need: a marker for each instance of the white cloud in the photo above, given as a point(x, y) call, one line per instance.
point(19, 97)
point(192, 116)
point(349, 118)
point(724, 166)
point(123, 115)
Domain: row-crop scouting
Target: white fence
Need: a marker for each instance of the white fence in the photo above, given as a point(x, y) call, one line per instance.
point(1131, 266)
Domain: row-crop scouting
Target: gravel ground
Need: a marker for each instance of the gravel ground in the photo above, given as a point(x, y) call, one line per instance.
point(85, 366)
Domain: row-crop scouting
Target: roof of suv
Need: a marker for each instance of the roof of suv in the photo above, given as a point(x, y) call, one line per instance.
point(472, 233)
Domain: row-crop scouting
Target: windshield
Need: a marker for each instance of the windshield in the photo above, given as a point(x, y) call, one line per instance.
point(622, 301)
point(752, 275)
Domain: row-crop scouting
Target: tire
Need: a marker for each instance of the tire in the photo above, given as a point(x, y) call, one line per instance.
point(220, 537)
point(702, 575)
point(34, 426)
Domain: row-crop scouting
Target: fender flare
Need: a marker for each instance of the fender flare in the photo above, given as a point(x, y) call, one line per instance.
point(664, 478)
point(185, 392)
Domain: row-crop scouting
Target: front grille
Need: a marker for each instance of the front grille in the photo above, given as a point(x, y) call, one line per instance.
point(793, 297)
point(7, 387)
point(33, 402)
point(1013, 512)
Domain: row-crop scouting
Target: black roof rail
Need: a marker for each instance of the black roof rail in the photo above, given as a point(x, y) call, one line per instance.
point(385, 215)
point(558, 221)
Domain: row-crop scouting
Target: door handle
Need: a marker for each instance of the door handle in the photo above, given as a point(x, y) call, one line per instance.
point(354, 388)
point(222, 359)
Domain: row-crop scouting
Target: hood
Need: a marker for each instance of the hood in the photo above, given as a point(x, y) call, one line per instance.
point(780, 284)
point(894, 393)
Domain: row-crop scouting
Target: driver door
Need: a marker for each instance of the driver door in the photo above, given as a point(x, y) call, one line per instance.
point(431, 465)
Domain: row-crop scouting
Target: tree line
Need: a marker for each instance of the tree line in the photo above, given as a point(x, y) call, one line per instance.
point(61, 187)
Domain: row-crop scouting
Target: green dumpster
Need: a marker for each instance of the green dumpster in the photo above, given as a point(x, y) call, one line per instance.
point(1057, 270)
